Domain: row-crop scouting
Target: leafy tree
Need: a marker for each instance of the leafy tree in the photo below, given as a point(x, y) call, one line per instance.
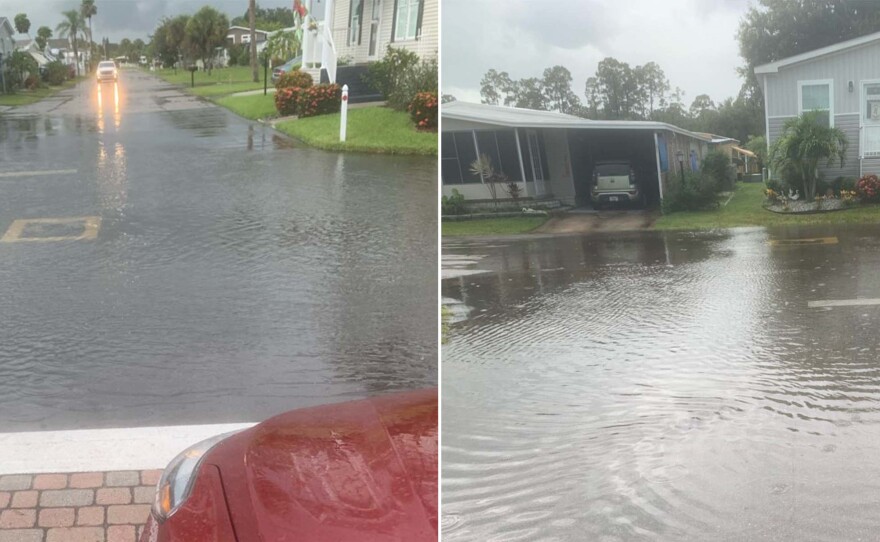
point(282, 46)
point(168, 40)
point(497, 88)
point(267, 19)
point(617, 85)
point(758, 145)
point(557, 90)
point(530, 94)
point(204, 31)
point(44, 33)
point(701, 105)
point(654, 86)
point(72, 27)
point(22, 23)
point(20, 64)
point(804, 142)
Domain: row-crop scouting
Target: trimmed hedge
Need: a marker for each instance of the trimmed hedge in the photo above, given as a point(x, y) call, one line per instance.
point(285, 100)
point(294, 79)
point(319, 100)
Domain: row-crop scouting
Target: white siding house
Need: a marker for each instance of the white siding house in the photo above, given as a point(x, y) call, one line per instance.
point(843, 82)
point(7, 40)
point(359, 31)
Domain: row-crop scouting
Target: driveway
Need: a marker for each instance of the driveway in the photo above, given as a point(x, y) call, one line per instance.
point(600, 221)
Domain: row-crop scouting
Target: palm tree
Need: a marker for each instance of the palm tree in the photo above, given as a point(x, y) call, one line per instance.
point(252, 19)
point(88, 9)
point(72, 28)
point(804, 142)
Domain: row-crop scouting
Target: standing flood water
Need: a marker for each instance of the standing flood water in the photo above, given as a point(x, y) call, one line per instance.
point(235, 274)
point(663, 387)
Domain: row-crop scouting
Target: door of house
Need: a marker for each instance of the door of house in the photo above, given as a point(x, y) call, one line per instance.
point(537, 165)
point(374, 28)
point(870, 119)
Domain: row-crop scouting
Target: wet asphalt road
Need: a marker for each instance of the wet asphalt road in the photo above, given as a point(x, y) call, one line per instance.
point(663, 386)
point(234, 274)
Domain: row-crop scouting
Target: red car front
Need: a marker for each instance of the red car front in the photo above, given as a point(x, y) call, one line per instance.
point(358, 471)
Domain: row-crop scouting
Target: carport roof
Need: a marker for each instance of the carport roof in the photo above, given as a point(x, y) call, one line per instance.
point(516, 117)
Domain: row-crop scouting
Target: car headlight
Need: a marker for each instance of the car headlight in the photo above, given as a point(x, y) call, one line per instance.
point(177, 480)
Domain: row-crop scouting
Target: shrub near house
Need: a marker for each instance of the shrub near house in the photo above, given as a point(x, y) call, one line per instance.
point(319, 100)
point(288, 91)
point(423, 111)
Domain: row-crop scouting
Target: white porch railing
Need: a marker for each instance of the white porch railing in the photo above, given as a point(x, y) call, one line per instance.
point(329, 56)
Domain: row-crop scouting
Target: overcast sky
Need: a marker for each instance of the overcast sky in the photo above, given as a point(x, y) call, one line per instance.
point(693, 41)
point(119, 19)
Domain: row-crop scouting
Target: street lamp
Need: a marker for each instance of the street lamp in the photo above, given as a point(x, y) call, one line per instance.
point(679, 155)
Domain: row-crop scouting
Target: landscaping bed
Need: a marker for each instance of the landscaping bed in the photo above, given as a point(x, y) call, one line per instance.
point(806, 208)
point(746, 208)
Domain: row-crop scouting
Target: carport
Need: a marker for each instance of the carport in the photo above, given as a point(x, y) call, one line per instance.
point(552, 155)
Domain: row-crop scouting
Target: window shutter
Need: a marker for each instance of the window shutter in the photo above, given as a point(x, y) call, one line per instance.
point(361, 19)
point(419, 23)
point(394, 22)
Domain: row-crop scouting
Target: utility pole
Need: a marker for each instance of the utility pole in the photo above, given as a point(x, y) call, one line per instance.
point(252, 15)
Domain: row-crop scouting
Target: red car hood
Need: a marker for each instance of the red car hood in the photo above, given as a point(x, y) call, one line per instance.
point(358, 471)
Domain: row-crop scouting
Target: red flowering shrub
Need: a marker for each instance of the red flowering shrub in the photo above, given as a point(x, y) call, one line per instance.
point(32, 82)
point(423, 111)
point(286, 99)
point(318, 100)
point(294, 78)
point(868, 188)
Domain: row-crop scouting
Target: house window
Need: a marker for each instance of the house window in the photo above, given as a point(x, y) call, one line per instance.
point(817, 96)
point(460, 150)
point(870, 146)
point(245, 38)
point(457, 154)
point(355, 22)
point(407, 20)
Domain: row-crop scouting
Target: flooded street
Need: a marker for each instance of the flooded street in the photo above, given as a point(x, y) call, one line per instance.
point(663, 386)
point(166, 262)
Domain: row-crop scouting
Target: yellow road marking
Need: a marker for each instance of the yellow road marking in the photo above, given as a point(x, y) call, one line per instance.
point(90, 224)
point(801, 242)
point(38, 173)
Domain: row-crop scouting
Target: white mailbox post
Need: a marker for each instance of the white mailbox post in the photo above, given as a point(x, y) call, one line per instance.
point(344, 113)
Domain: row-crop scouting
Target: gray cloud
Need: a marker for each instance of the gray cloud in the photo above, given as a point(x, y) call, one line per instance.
point(693, 41)
point(119, 19)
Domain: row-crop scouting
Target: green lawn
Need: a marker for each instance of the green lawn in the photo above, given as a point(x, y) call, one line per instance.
point(370, 129)
point(220, 81)
point(25, 97)
point(250, 107)
point(745, 210)
point(492, 226)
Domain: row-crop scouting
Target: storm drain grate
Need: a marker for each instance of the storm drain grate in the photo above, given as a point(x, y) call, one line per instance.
point(53, 229)
point(802, 242)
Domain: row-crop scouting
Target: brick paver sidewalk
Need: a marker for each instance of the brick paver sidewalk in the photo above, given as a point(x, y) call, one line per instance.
point(80, 507)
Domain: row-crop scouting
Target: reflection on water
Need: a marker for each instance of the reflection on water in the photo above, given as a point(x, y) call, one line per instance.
point(113, 96)
point(663, 387)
